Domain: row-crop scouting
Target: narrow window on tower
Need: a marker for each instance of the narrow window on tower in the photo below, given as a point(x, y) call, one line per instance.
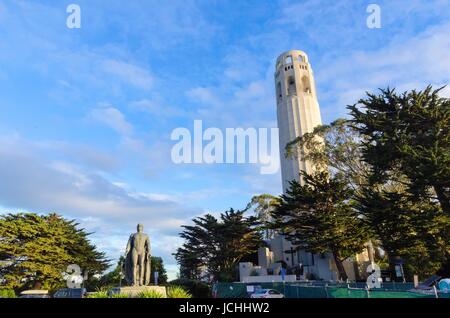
point(292, 90)
point(300, 58)
point(306, 85)
point(279, 94)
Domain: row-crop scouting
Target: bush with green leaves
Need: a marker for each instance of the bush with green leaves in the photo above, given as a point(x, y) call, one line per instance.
point(7, 293)
point(150, 294)
point(99, 294)
point(177, 292)
point(196, 288)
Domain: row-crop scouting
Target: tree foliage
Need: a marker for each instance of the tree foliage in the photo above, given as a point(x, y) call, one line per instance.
point(334, 148)
point(263, 206)
point(409, 132)
point(158, 266)
point(217, 245)
point(382, 175)
point(319, 217)
point(36, 249)
point(394, 152)
point(416, 231)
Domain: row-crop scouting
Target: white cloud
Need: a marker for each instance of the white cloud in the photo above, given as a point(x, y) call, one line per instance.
point(84, 155)
point(204, 95)
point(403, 64)
point(446, 91)
point(113, 118)
point(157, 107)
point(129, 73)
point(109, 208)
point(256, 89)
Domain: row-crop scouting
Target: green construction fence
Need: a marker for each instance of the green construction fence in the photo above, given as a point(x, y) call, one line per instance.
point(323, 290)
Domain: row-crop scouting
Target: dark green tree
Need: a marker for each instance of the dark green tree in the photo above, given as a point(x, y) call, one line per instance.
point(157, 265)
point(36, 249)
point(217, 245)
point(407, 132)
point(190, 263)
point(198, 248)
point(416, 231)
point(239, 236)
point(320, 218)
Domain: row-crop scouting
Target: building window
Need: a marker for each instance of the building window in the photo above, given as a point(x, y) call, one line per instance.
point(306, 85)
point(288, 60)
point(300, 58)
point(292, 89)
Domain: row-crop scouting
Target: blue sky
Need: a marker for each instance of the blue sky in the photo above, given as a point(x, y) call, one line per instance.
point(86, 114)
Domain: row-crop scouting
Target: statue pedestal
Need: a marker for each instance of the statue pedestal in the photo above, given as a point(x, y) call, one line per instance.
point(134, 291)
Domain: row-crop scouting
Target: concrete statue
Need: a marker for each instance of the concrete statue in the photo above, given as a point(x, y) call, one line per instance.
point(137, 267)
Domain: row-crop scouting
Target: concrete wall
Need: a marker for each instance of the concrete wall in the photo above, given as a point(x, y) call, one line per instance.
point(245, 269)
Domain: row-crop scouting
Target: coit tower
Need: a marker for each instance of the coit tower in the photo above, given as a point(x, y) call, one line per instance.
point(297, 109)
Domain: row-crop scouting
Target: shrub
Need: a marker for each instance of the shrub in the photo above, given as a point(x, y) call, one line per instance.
point(150, 294)
point(119, 296)
point(177, 292)
point(196, 288)
point(7, 293)
point(99, 294)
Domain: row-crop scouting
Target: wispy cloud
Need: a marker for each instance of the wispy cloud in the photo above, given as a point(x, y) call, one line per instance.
point(101, 204)
point(113, 118)
point(129, 73)
point(407, 64)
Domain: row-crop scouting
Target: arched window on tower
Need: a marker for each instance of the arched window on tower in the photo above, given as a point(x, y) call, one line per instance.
point(288, 60)
point(306, 84)
point(279, 93)
point(292, 89)
point(300, 58)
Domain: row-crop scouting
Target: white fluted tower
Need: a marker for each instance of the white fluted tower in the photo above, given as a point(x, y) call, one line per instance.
point(297, 109)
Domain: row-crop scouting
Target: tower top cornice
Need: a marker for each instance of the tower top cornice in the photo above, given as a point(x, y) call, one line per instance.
point(291, 56)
